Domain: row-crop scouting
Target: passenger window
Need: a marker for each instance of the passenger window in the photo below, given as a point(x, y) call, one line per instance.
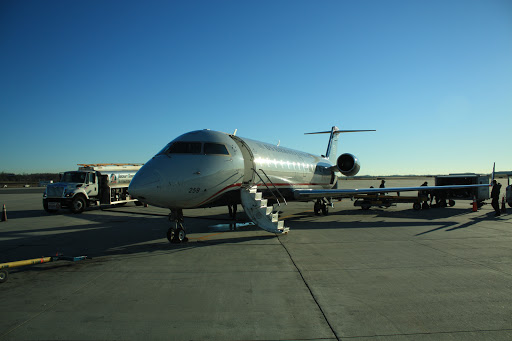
point(185, 148)
point(215, 148)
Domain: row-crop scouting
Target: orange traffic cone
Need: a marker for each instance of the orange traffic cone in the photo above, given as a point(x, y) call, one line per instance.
point(503, 207)
point(4, 214)
point(475, 205)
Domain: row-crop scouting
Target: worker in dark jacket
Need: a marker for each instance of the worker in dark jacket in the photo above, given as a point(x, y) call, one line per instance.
point(495, 196)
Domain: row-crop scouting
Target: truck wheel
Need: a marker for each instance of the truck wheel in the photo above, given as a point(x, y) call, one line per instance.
point(416, 206)
point(78, 204)
point(451, 203)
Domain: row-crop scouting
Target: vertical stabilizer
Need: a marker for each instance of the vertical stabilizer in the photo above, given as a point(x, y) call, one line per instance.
point(332, 146)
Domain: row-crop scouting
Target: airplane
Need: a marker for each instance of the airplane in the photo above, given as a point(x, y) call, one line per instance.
point(206, 168)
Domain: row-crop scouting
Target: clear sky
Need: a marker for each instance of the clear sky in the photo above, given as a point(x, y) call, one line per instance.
point(114, 81)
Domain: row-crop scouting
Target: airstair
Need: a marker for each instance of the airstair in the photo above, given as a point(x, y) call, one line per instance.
point(256, 208)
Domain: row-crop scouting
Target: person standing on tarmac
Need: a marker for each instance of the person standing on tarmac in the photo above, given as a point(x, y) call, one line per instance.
point(495, 195)
point(382, 186)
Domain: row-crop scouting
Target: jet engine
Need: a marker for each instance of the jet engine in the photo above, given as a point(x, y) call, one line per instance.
point(348, 164)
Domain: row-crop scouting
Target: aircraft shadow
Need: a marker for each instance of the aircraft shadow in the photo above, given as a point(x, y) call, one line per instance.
point(137, 233)
point(426, 214)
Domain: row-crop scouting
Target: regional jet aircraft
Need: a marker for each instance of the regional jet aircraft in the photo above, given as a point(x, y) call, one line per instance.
point(206, 168)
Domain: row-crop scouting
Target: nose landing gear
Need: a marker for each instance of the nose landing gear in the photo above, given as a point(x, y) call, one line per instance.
point(176, 233)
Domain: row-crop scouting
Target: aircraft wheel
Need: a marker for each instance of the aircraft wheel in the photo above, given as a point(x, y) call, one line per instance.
point(180, 236)
point(416, 206)
point(325, 209)
point(170, 235)
point(3, 275)
point(425, 205)
point(366, 206)
point(451, 203)
point(317, 208)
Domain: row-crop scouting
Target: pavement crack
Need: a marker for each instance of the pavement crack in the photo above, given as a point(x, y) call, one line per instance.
point(309, 289)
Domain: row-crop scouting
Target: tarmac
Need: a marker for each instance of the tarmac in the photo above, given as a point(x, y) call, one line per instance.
point(383, 274)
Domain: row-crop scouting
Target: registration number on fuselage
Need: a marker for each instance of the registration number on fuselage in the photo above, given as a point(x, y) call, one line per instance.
point(194, 190)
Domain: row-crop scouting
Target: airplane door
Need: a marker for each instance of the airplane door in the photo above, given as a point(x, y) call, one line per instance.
point(248, 156)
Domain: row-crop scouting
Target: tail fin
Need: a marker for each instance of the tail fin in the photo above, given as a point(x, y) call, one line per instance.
point(332, 147)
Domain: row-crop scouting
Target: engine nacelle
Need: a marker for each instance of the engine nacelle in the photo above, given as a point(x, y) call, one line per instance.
point(348, 164)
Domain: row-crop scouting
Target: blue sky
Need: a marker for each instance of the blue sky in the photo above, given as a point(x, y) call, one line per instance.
point(114, 81)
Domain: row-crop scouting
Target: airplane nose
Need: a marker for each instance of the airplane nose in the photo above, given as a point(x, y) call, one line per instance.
point(144, 185)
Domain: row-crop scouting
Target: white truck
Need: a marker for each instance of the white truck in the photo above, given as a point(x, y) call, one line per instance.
point(91, 184)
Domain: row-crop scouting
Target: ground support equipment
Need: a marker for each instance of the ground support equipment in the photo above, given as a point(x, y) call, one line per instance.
point(365, 201)
point(4, 273)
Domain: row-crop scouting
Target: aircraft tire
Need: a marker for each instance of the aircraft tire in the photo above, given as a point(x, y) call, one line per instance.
point(451, 203)
point(325, 209)
point(366, 206)
point(425, 205)
point(317, 208)
point(180, 236)
point(171, 235)
point(416, 206)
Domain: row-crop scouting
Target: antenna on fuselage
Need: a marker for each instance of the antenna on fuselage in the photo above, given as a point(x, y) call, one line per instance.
point(234, 133)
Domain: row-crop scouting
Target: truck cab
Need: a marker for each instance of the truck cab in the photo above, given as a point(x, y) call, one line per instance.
point(98, 184)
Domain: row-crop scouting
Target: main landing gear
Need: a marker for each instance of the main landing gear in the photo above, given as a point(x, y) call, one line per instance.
point(176, 233)
point(322, 205)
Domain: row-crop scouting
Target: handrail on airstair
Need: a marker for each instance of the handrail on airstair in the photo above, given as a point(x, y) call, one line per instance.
point(275, 187)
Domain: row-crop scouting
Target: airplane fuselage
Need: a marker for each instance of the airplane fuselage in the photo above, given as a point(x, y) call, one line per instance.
point(206, 168)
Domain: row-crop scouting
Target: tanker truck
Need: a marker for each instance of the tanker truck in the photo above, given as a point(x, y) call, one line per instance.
point(91, 184)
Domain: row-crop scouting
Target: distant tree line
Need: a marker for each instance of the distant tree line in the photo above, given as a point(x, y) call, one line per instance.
point(28, 178)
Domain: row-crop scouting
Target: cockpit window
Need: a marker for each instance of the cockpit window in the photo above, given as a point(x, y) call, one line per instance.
point(215, 148)
point(185, 148)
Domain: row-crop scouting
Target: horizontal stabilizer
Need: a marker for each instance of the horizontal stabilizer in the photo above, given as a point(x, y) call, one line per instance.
point(338, 132)
point(332, 146)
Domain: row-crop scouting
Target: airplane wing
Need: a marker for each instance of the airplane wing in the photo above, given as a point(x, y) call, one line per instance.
point(305, 194)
